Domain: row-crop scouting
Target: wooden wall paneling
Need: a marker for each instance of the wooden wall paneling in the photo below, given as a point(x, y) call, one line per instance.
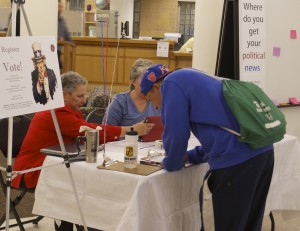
point(89, 58)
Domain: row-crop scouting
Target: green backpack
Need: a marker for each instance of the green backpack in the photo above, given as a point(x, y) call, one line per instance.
point(261, 122)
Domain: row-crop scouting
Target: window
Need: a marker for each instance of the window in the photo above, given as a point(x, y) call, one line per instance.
point(76, 5)
point(186, 20)
point(136, 19)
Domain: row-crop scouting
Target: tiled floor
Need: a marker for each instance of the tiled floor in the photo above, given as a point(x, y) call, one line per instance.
point(46, 224)
point(284, 221)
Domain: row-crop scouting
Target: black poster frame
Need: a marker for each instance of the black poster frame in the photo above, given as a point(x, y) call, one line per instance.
point(227, 63)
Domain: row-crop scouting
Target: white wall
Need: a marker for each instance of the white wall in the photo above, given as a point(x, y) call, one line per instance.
point(208, 17)
point(42, 17)
point(5, 14)
point(125, 9)
point(292, 118)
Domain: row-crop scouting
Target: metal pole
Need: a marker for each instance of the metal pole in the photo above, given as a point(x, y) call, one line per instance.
point(26, 20)
point(10, 131)
point(8, 170)
point(10, 134)
point(66, 158)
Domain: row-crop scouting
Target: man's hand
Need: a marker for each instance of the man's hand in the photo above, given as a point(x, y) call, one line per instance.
point(143, 128)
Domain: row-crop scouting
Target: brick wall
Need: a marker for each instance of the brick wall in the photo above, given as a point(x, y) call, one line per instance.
point(158, 17)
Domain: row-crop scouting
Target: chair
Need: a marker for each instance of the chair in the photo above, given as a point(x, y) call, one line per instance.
point(96, 116)
point(97, 101)
point(98, 98)
point(20, 127)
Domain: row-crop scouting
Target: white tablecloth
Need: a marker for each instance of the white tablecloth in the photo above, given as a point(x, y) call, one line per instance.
point(163, 201)
point(285, 186)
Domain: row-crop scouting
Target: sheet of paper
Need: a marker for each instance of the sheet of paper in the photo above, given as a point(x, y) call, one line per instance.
point(162, 49)
point(293, 34)
point(276, 51)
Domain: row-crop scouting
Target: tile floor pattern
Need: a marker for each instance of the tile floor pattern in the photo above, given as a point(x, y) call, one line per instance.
point(285, 221)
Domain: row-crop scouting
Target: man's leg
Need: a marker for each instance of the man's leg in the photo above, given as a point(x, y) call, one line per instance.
point(239, 193)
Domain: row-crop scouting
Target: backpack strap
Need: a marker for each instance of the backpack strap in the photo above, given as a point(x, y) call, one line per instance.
point(231, 131)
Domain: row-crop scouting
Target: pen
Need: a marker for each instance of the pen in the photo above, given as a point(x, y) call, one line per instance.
point(151, 162)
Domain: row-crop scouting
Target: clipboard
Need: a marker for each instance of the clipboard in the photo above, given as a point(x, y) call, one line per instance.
point(140, 169)
point(156, 131)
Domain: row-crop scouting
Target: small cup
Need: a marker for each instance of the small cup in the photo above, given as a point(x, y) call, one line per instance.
point(159, 144)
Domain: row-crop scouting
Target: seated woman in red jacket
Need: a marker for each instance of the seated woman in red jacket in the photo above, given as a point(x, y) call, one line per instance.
point(42, 133)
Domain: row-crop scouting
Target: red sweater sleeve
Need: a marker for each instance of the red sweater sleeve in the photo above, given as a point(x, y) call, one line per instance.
point(70, 121)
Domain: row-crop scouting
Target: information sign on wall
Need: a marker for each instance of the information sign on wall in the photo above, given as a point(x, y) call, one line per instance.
point(30, 75)
point(252, 45)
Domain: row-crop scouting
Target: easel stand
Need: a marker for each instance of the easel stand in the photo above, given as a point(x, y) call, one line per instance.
point(9, 173)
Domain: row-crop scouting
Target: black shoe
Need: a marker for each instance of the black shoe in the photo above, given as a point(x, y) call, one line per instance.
point(63, 226)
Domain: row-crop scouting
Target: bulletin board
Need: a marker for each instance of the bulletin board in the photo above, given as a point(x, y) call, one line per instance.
point(271, 40)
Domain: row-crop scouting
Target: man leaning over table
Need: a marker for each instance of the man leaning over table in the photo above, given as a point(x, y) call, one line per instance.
point(42, 133)
point(239, 176)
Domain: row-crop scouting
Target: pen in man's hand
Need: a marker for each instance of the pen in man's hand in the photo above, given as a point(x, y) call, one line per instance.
point(151, 162)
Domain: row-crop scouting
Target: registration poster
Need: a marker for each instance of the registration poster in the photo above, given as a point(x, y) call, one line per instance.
point(30, 75)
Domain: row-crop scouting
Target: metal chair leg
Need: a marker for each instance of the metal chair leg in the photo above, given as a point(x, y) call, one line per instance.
point(272, 221)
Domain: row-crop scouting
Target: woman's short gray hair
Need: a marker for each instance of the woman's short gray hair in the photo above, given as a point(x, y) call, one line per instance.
point(139, 67)
point(70, 80)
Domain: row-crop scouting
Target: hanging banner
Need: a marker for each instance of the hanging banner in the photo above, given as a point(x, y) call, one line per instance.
point(252, 45)
point(30, 75)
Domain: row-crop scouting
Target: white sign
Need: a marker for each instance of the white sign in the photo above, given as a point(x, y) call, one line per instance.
point(162, 49)
point(252, 41)
point(30, 76)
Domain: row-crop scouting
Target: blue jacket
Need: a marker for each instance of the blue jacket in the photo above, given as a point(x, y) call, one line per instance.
point(193, 101)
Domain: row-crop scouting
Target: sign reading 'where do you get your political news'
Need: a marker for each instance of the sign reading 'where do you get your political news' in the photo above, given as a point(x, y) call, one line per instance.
point(252, 33)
